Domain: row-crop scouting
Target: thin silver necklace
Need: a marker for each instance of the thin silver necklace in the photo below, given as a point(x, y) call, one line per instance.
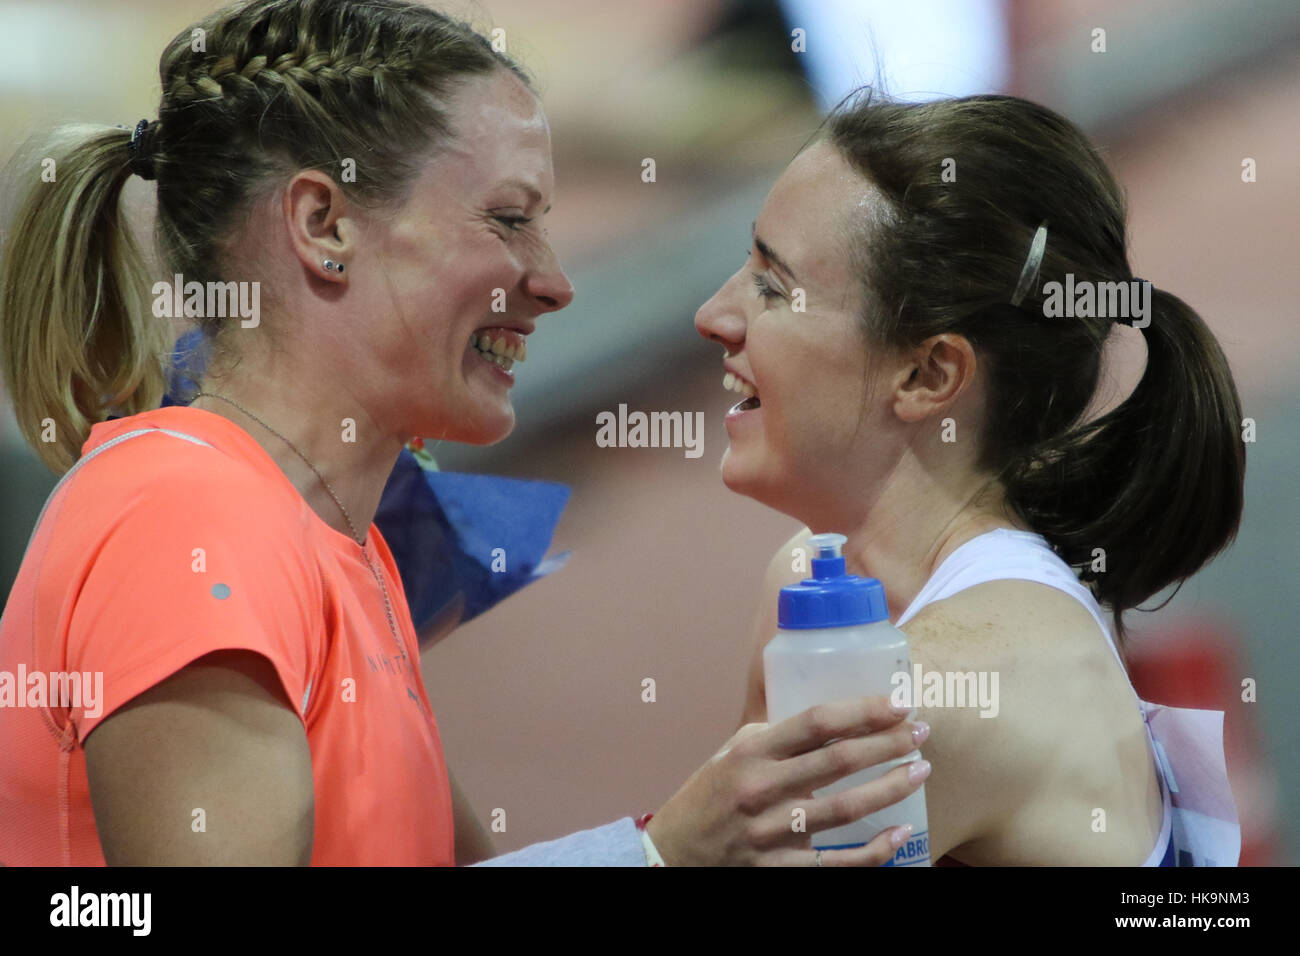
point(388, 607)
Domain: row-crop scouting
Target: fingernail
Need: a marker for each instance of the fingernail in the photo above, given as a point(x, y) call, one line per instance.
point(918, 771)
point(920, 730)
point(900, 834)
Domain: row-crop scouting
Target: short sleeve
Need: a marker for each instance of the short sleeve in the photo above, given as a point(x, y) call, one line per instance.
point(206, 555)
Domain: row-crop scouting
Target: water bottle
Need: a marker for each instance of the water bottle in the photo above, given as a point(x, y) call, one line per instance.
point(835, 642)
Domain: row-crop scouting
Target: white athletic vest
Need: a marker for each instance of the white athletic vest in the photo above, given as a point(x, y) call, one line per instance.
point(1200, 826)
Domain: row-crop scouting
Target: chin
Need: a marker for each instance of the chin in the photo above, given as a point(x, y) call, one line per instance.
point(745, 480)
point(492, 436)
point(471, 430)
point(489, 432)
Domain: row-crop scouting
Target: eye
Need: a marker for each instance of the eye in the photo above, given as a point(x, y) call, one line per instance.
point(513, 223)
point(765, 290)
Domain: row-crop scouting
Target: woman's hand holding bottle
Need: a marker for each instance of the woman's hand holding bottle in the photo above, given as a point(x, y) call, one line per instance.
point(752, 803)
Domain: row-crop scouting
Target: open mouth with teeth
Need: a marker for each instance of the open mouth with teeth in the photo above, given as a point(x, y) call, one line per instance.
point(733, 382)
point(501, 347)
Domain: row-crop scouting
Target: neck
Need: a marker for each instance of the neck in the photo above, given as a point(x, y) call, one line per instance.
point(902, 542)
point(354, 460)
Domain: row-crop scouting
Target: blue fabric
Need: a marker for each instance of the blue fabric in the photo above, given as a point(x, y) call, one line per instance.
point(480, 535)
point(189, 359)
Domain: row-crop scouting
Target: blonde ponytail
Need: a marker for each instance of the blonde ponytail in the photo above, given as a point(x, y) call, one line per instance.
point(78, 339)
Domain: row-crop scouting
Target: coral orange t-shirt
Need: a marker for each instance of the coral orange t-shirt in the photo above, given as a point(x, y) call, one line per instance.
point(161, 548)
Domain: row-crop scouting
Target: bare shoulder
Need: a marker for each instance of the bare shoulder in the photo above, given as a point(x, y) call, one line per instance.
point(1029, 630)
point(1052, 696)
point(983, 766)
point(1026, 642)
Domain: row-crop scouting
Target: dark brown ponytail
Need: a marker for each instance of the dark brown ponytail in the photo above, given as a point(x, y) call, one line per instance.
point(1146, 494)
point(1138, 499)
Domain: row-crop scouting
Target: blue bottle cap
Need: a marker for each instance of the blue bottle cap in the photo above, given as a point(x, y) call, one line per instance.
point(830, 598)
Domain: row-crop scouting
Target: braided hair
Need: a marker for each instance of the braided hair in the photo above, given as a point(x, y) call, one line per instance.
point(251, 94)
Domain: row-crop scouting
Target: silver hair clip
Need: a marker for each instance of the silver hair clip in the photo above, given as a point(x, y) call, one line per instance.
point(1032, 264)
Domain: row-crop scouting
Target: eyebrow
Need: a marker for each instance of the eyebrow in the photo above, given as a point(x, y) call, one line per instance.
point(530, 189)
point(771, 256)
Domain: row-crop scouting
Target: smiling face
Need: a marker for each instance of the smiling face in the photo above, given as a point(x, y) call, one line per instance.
point(463, 268)
point(807, 441)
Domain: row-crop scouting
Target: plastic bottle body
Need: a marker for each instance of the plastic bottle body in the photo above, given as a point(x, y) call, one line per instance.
point(806, 667)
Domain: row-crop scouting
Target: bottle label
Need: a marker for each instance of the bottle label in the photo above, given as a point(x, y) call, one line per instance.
point(915, 852)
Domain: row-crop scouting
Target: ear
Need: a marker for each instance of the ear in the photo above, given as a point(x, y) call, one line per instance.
point(316, 215)
point(940, 369)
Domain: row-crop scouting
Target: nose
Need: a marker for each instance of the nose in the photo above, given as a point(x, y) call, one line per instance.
point(721, 320)
point(547, 285)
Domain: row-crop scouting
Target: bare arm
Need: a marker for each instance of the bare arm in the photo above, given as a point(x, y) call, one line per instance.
point(219, 737)
point(970, 787)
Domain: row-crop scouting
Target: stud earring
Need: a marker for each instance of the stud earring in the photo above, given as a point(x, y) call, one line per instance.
point(332, 266)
